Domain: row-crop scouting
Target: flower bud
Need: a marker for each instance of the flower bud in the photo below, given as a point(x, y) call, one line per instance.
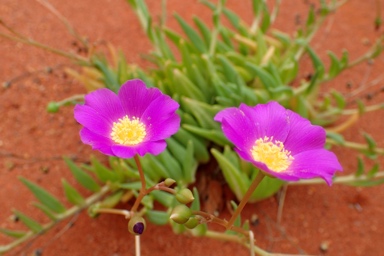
point(92, 210)
point(180, 214)
point(169, 182)
point(184, 196)
point(192, 223)
point(53, 107)
point(136, 225)
point(200, 230)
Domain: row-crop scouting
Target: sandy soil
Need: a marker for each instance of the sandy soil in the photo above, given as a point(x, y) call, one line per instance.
point(349, 220)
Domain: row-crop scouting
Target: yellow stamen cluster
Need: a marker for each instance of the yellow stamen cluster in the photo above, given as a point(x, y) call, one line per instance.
point(128, 132)
point(272, 154)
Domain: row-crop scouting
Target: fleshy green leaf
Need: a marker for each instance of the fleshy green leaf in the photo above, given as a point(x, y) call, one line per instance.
point(189, 164)
point(44, 196)
point(200, 152)
point(192, 35)
point(82, 177)
point(370, 141)
point(45, 210)
point(316, 61)
point(336, 137)
point(29, 222)
point(237, 181)
point(71, 193)
point(195, 206)
point(212, 135)
point(371, 173)
point(163, 198)
point(13, 233)
point(360, 167)
point(102, 172)
point(157, 217)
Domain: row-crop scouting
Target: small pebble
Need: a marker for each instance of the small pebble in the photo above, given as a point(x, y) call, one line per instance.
point(324, 246)
point(254, 220)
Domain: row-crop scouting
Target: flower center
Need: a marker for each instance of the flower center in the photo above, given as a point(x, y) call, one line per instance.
point(272, 154)
point(128, 132)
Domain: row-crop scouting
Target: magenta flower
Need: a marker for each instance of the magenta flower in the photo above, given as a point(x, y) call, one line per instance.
point(279, 142)
point(137, 120)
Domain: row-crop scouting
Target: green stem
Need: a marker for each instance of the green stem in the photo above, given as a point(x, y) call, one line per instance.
point(125, 213)
point(45, 47)
point(212, 218)
point(245, 199)
point(215, 32)
point(236, 239)
point(60, 217)
point(347, 179)
point(66, 23)
point(355, 145)
point(143, 190)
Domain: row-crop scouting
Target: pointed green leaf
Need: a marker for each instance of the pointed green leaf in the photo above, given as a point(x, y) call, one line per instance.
point(316, 61)
point(336, 137)
point(157, 217)
point(335, 67)
point(45, 210)
point(266, 79)
point(103, 173)
point(202, 112)
point(195, 205)
point(228, 69)
point(72, 194)
point(237, 181)
point(189, 164)
point(311, 17)
point(29, 222)
point(169, 162)
point(201, 152)
point(13, 233)
point(112, 200)
point(213, 135)
point(371, 173)
point(360, 167)
point(44, 196)
point(185, 87)
point(192, 35)
point(81, 176)
point(110, 79)
point(204, 30)
point(370, 141)
point(159, 168)
point(163, 198)
point(340, 100)
point(177, 150)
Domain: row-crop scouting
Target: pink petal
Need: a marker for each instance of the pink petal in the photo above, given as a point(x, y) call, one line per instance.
point(237, 127)
point(303, 135)
point(135, 97)
point(91, 119)
point(269, 120)
point(97, 142)
point(315, 163)
point(106, 103)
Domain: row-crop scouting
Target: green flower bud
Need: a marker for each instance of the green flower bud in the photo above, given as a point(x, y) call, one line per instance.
point(192, 223)
point(169, 182)
point(184, 196)
point(53, 107)
point(92, 210)
point(181, 214)
point(200, 230)
point(136, 225)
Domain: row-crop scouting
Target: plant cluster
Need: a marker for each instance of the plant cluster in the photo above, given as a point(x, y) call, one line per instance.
point(206, 71)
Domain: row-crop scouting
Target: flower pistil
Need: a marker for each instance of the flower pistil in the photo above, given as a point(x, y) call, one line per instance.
point(272, 153)
point(128, 131)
